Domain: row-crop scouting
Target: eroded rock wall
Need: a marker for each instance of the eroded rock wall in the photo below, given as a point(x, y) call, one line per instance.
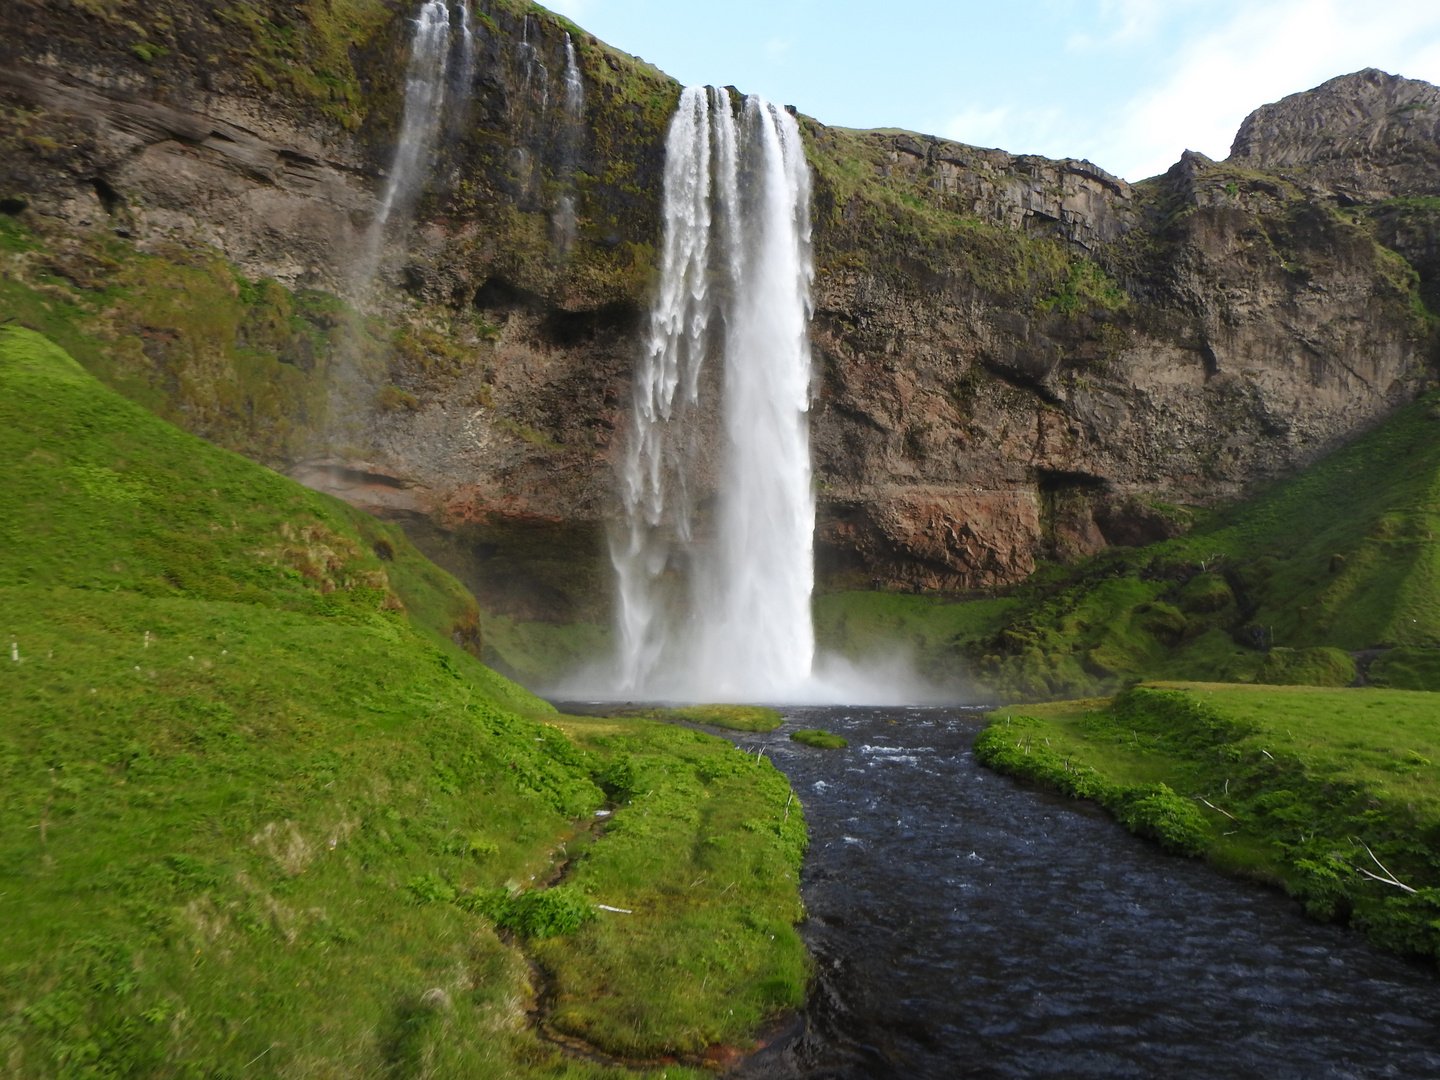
point(1017, 358)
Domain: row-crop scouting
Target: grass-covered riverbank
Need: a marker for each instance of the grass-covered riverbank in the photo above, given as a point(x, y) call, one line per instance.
point(262, 813)
point(1332, 793)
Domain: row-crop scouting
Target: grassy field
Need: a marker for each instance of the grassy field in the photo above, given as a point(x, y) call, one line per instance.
point(1332, 793)
point(264, 814)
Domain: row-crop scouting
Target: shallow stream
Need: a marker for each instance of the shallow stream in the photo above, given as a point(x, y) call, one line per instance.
point(966, 926)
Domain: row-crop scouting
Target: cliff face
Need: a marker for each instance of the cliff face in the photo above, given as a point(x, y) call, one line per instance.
point(1069, 359)
point(1017, 358)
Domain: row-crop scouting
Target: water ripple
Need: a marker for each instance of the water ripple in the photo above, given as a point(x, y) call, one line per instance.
point(964, 926)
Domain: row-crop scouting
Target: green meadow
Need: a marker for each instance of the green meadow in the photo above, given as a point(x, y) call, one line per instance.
point(1331, 793)
point(265, 813)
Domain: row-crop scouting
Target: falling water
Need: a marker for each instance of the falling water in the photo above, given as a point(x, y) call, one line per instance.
point(734, 284)
point(424, 99)
point(569, 142)
point(464, 70)
point(535, 69)
point(574, 87)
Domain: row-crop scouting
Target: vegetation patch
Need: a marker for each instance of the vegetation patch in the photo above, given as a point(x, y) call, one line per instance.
point(1407, 669)
point(701, 857)
point(1332, 793)
point(820, 740)
point(1316, 666)
point(260, 803)
point(1342, 559)
point(733, 717)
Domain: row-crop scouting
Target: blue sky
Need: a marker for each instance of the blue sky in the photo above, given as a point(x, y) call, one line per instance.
point(1125, 83)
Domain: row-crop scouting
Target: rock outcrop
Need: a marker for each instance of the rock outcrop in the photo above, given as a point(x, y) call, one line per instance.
point(1358, 139)
point(1017, 358)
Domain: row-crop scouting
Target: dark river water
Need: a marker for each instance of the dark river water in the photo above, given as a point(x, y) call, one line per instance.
point(965, 926)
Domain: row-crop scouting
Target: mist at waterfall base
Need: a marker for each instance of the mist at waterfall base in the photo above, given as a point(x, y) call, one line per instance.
point(714, 594)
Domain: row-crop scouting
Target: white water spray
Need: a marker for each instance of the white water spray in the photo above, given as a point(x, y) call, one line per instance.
point(420, 121)
point(465, 69)
point(574, 86)
point(571, 132)
point(734, 284)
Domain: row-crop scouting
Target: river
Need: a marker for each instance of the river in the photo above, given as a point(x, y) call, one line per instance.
point(966, 926)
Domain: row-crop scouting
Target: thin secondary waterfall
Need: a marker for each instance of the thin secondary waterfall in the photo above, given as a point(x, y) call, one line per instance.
point(535, 69)
point(464, 81)
point(571, 133)
point(426, 99)
point(717, 605)
point(574, 86)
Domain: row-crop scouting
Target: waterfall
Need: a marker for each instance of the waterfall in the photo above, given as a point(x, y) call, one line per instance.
point(464, 82)
point(718, 605)
point(420, 120)
point(574, 87)
point(424, 106)
point(571, 132)
point(534, 64)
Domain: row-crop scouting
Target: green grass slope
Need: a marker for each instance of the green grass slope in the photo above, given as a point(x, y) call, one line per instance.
point(1343, 558)
point(1332, 793)
point(255, 796)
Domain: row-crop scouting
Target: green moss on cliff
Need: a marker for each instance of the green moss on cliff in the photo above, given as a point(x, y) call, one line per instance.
point(307, 52)
point(251, 366)
point(1343, 557)
point(873, 216)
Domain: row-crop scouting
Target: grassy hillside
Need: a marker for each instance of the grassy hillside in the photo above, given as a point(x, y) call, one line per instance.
point(1344, 558)
point(263, 814)
point(1323, 791)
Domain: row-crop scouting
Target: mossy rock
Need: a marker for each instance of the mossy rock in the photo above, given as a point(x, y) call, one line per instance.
point(1318, 666)
point(821, 740)
point(1205, 594)
point(1407, 669)
point(734, 717)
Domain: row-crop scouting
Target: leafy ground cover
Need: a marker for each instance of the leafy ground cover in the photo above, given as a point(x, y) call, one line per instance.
point(262, 814)
point(731, 717)
point(704, 853)
point(820, 740)
point(1332, 793)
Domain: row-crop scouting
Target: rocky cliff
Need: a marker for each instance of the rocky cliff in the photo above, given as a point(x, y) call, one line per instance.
point(1017, 358)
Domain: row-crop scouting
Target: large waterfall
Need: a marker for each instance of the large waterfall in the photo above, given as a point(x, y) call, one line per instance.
point(714, 594)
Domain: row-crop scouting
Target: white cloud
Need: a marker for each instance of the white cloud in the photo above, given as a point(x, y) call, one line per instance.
point(777, 47)
point(1125, 22)
point(1020, 131)
point(980, 127)
point(1248, 53)
point(571, 9)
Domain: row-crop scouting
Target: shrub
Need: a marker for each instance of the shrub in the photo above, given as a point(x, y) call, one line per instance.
point(1321, 666)
point(1155, 811)
point(540, 913)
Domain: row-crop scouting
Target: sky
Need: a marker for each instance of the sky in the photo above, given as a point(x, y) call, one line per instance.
point(1127, 84)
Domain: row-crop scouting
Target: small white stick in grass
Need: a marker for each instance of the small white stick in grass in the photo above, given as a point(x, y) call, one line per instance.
point(1217, 809)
